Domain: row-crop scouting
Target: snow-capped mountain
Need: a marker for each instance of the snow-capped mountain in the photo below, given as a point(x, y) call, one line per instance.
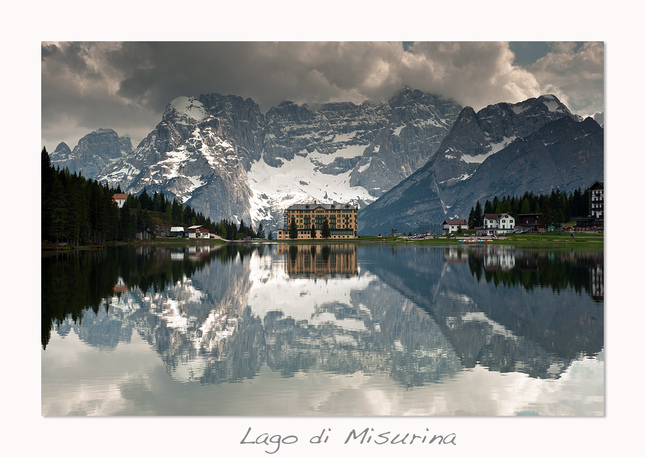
point(415, 159)
point(227, 160)
point(93, 153)
point(535, 146)
point(187, 156)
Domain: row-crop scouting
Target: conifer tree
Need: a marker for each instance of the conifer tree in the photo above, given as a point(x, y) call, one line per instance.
point(488, 207)
point(326, 232)
point(293, 229)
point(478, 216)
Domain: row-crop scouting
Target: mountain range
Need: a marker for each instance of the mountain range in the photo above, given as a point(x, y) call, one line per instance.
point(406, 162)
point(506, 149)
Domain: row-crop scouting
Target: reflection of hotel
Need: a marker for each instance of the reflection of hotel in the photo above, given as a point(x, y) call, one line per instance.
point(341, 219)
point(320, 260)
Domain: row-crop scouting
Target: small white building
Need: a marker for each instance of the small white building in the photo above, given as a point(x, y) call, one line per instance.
point(120, 199)
point(177, 232)
point(452, 226)
point(500, 223)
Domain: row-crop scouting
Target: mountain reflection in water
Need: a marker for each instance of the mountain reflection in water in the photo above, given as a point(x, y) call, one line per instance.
point(416, 314)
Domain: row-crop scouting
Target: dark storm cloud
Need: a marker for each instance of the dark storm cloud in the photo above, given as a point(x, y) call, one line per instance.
point(267, 72)
point(73, 57)
point(126, 86)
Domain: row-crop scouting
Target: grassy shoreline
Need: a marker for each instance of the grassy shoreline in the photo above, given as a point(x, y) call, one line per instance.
point(550, 240)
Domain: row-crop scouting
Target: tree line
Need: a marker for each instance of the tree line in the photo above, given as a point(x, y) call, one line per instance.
point(555, 208)
point(80, 211)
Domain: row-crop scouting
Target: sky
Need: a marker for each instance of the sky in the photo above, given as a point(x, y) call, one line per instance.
point(126, 85)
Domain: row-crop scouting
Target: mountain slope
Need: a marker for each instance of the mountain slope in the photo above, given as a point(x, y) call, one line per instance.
point(188, 157)
point(560, 153)
point(222, 156)
point(93, 153)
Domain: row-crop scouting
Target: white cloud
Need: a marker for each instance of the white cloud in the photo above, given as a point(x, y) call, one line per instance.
point(474, 74)
point(576, 76)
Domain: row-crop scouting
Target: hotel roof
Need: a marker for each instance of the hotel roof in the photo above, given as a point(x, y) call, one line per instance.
point(321, 205)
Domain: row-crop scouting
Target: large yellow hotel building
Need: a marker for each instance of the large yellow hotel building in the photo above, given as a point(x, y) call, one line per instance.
point(342, 219)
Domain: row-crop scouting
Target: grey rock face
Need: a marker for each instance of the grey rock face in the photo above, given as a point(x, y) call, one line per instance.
point(534, 146)
point(563, 154)
point(94, 152)
point(475, 136)
point(238, 119)
point(188, 157)
point(203, 149)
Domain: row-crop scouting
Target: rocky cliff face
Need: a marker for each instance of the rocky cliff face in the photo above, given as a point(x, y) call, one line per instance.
point(188, 157)
point(415, 159)
point(94, 152)
point(534, 146)
point(227, 160)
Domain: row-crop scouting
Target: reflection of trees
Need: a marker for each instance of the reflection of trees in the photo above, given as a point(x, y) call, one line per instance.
point(82, 280)
point(539, 269)
point(425, 319)
point(72, 283)
point(204, 330)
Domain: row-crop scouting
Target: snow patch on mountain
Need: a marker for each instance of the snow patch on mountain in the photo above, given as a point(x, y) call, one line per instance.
point(189, 107)
point(347, 151)
point(174, 160)
point(520, 108)
point(364, 167)
point(125, 174)
point(495, 148)
point(552, 103)
point(297, 181)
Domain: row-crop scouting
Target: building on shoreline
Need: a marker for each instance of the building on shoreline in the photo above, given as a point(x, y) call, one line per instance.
point(315, 218)
point(454, 225)
point(596, 219)
point(120, 199)
point(497, 224)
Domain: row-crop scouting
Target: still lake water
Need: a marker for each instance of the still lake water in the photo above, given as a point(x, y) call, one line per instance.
point(323, 330)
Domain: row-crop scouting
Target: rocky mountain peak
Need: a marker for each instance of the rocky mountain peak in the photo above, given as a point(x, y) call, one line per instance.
point(189, 109)
point(94, 152)
point(504, 149)
point(62, 150)
point(225, 158)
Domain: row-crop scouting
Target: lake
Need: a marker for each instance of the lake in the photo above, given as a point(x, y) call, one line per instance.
point(323, 330)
